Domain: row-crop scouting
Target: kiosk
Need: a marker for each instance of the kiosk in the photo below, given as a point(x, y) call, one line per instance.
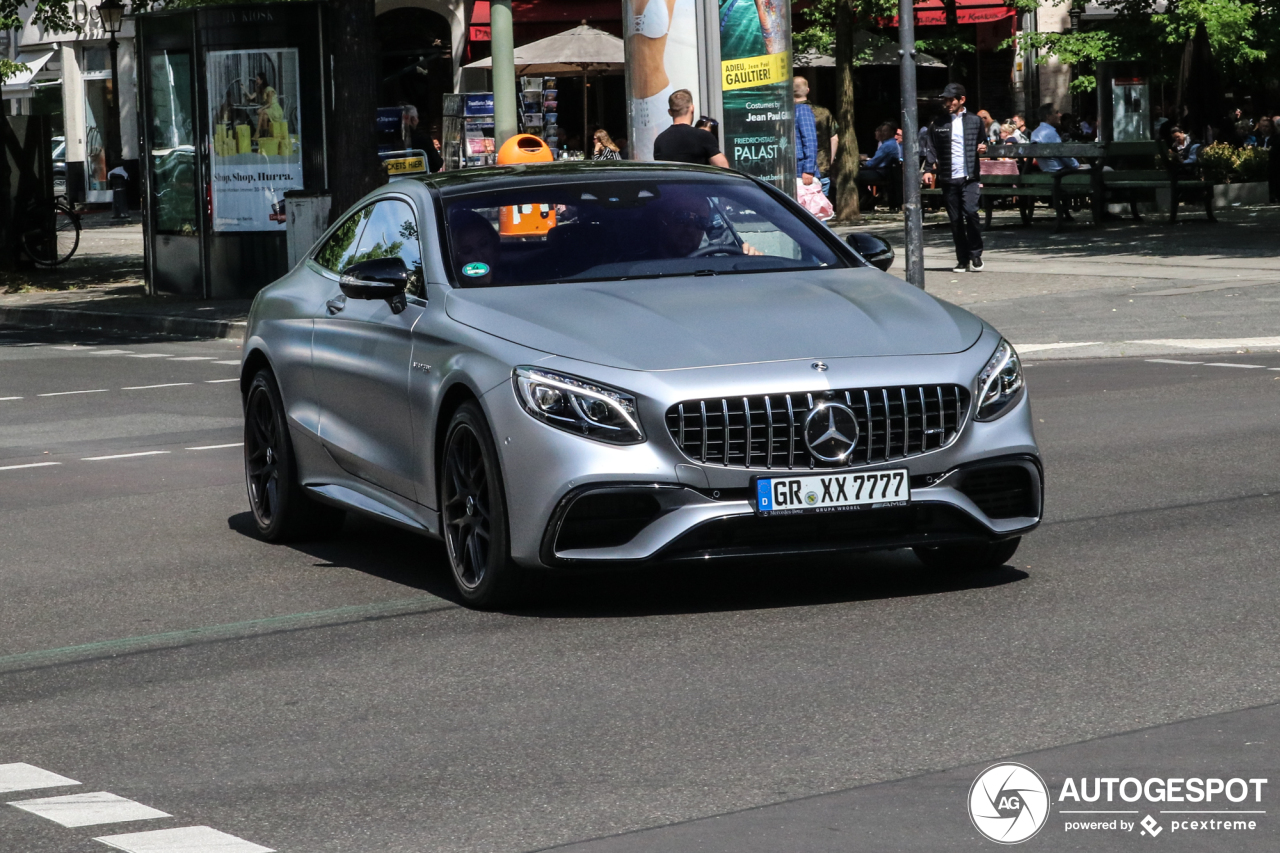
point(233, 116)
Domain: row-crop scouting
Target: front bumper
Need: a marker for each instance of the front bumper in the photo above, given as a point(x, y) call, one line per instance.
point(637, 522)
point(666, 507)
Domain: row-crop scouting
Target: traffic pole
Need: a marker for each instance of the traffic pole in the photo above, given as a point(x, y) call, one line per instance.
point(911, 210)
point(502, 43)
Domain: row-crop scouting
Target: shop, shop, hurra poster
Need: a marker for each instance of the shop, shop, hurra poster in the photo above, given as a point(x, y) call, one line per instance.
point(755, 65)
point(256, 150)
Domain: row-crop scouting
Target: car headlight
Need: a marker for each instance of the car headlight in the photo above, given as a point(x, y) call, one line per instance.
point(1000, 382)
point(579, 405)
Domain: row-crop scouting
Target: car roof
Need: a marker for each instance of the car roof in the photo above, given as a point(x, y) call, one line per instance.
point(569, 171)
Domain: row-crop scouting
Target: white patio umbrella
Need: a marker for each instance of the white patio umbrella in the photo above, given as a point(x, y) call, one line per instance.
point(578, 52)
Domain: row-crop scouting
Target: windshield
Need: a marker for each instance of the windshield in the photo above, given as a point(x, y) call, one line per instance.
point(626, 229)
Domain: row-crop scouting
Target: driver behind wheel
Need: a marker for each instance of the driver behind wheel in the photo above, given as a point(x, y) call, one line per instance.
point(685, 221)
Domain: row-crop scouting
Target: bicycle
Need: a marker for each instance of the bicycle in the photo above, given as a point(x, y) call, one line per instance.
point(53, 235)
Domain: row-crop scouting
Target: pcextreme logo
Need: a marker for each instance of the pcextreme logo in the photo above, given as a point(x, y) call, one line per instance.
point(1008, 803)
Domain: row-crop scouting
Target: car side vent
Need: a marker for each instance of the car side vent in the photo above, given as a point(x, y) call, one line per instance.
point(1000, 492)
point(605, 520)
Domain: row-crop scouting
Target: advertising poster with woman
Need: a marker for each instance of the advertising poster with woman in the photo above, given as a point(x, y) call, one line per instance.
point(662, 56)
point(755, 62)
point(256, 152)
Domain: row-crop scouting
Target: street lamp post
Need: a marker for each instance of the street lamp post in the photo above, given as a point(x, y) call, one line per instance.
point(911, 209)
point(111, 13)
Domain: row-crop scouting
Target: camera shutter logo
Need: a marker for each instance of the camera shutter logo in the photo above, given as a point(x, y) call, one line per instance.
point(1008, 803)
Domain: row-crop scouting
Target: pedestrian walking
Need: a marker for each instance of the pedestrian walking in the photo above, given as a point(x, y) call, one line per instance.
point(684, 143)
point(806, 143)
point(955, 142)
point(828, 132)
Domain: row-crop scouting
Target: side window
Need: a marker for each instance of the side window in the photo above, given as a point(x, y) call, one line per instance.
point(393, 232)
point(338, 252)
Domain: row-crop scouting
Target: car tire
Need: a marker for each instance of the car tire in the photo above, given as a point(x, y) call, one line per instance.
point(473, 512)
point(968, 557)
point(282, 511)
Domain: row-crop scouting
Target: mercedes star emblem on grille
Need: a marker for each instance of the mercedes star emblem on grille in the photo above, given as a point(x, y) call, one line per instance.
point(831, 431)
point(819, 365)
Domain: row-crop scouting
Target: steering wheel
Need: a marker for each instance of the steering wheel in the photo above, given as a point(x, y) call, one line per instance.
point(707, 251)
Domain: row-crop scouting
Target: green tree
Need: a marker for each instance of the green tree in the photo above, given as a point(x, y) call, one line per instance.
point(1244, 37)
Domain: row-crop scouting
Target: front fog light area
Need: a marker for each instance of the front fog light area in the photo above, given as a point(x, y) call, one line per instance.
point(1000, 383)
point(579, 406)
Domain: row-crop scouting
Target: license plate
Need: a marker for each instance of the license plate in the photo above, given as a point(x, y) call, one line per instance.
point(832, 492)
point(405, 165)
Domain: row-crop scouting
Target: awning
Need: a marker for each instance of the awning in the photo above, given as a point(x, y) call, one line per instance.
point(34, 62)
point(581, 50)
point(932, 13)
point(884, 54)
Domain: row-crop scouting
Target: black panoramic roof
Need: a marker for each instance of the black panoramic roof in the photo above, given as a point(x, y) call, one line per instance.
point(462, 181)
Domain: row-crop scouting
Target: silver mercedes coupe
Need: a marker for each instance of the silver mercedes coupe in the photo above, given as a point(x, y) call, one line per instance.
point(586, 365)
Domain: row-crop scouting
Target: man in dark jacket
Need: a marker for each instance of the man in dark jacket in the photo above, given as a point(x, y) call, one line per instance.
point(955, 141)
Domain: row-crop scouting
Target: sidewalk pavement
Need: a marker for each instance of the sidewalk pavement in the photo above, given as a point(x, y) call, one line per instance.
point(102, 289)
point(1123, 289)
point(1130, 289)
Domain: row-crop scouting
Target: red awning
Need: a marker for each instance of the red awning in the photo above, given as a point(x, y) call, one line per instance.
point(931, 13)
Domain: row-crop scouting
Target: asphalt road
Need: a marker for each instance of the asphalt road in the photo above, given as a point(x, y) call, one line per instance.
point(334, 697)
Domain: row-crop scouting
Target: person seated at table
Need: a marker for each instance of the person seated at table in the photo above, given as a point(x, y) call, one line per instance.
point(888, 153)
point(1185, 151)
point(1047, 132)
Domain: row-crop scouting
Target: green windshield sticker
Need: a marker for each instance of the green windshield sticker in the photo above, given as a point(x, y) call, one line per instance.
point(475, 269)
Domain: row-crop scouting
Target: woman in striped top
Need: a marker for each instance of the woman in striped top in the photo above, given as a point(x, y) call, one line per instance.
point(605, 148)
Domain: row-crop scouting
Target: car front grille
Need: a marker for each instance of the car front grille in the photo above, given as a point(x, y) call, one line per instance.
point(767, 431)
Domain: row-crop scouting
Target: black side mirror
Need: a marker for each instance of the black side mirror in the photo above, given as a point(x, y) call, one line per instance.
point(377, 278)
point(875, 250)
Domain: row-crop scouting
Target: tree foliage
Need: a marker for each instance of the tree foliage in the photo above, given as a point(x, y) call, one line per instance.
point(1245, 37)
point(52, 15)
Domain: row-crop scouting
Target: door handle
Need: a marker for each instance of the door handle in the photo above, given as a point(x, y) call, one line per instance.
point(336, 305)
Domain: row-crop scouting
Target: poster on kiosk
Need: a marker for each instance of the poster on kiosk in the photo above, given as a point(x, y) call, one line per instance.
point(734, 58)
point(256, 152)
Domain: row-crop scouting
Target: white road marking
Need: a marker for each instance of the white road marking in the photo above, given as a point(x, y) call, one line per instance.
point(25, 777)
point(192, 358)
point(152, 355)
point(164, 385)
point(74, 346)
point(123, 455)
point(10, 398)
point(1229, 364)
point(112, 352)
point(89, 809)
point(1172, 361)
point(235, 362)
point(1214, 343)
point(1042, 347)
point(213, 381)
point(186, 839)
point(65, 393)
point(209, 447)
point(15, 468)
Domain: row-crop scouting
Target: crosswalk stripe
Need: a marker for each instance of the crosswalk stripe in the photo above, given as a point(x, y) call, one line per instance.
point(89, 809)
point(21, 776)
point(185, 839)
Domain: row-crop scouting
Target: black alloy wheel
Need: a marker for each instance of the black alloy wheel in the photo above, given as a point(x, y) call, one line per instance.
point(281, 509)
point(474, 513)
point(968, 556)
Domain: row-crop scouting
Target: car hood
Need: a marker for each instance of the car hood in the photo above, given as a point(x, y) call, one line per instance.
point(701, 321)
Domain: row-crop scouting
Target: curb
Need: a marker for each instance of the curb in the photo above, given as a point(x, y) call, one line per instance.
point(105, 321)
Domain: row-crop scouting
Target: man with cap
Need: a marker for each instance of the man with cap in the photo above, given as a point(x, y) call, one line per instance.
point(955, 141)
